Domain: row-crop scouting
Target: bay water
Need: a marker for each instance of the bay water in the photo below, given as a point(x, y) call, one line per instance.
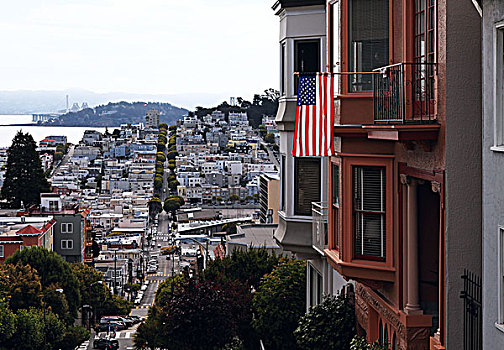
point(8, 130)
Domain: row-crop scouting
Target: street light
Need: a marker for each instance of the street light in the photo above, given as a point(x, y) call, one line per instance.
point(89, 307)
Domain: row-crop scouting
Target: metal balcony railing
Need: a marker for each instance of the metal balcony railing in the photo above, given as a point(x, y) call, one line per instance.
point(319, 228)
point(405, 93)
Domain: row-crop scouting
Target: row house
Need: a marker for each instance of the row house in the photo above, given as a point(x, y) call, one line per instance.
point(303, 181)
point(72, 230)
point(17, 233)
point(492, 41)
point(397, 208)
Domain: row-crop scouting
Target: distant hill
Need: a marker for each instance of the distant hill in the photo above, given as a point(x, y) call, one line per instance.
point(117, 113)
point(51, 101)
point(262, 104)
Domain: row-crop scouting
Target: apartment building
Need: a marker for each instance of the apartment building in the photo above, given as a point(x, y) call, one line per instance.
point(303, 181)
point(402, 194)
point(493, 185)
point(152, 118)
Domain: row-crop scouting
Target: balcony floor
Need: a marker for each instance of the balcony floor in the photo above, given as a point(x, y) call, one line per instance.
point(390, 132)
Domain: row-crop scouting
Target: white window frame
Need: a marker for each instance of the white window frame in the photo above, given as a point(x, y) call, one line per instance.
point(500, 279)
point(68, 227)
point(2, 251)
point(498, 97)
point(68, 244)
point(313, 287)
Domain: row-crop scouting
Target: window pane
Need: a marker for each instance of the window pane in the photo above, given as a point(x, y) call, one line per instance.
point(306, 184)
point(368, 34)
point(335, 185)
point(369, 211)
point(306, 58)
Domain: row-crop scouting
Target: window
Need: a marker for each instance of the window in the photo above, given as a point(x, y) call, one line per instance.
point(315, 286)
point(498, 89)
point(53, 206)
point(1, 251)
point(66, 244)
point(67, 228)
point(335, 202)
point(283, 181)
point(424, 52)
point(306, 184)
point(368, 40)
point(500, 282)
point(369, 189)
point(306, 58)
point(283, 71)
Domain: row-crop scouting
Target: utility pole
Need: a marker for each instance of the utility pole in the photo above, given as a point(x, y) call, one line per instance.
point(115, 272)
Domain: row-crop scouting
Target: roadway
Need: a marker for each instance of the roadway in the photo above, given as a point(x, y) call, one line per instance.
point(125, 337)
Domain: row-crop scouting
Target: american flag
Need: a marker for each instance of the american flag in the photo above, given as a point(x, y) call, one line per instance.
point(313, 135)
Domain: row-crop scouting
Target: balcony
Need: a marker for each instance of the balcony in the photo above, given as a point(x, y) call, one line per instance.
point(405, 93)
point(319, 226)
point(397, 103)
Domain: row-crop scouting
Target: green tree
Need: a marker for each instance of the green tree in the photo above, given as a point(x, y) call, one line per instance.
point(173, 128)
point(24, 178)
point(262, 130)
point(163, 126)
point(269, 138)
point(158, 182)
point(172, 204)
point(246, 266)
point(160, 156)
point(73, 337)
point(173, 184)
point(52, 269)
point(155, 207)
point(172, 154)
point(234, 198)
point(359, 343)
point(165, 291)
point(36, 329)
point(7, 325)
point(279, 302)
point(23, 286)
point(215, 312)
point(328, 325)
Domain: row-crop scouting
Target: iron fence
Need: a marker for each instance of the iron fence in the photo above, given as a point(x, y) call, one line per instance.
point(472, 310)
point(405, 93)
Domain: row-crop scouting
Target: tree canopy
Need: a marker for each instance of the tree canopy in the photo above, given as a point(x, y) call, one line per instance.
point(52, 269)
point(279, 302)
point(328, 325)
point(24, 178)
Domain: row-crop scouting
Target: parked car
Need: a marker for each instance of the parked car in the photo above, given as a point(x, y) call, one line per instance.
point(110, 326)
point(104, 343)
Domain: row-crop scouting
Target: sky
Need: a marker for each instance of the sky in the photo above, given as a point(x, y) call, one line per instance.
point(226, 47)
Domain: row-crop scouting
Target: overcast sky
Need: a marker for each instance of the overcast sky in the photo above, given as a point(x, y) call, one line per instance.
point(146, 46)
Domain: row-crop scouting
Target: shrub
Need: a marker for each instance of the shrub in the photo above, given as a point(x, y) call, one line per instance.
point(328, 325)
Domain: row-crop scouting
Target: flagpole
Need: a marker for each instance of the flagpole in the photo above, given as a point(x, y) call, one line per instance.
point(334, 73)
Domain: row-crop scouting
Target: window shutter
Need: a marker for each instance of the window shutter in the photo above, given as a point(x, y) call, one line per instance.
point(369, 211)
point(307, 184)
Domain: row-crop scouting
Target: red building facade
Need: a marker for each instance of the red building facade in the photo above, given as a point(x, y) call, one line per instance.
point(398, 127)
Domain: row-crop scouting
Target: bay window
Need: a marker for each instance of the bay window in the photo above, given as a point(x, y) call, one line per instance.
point(368, 40)
point(306, 184)
point(335, 203)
